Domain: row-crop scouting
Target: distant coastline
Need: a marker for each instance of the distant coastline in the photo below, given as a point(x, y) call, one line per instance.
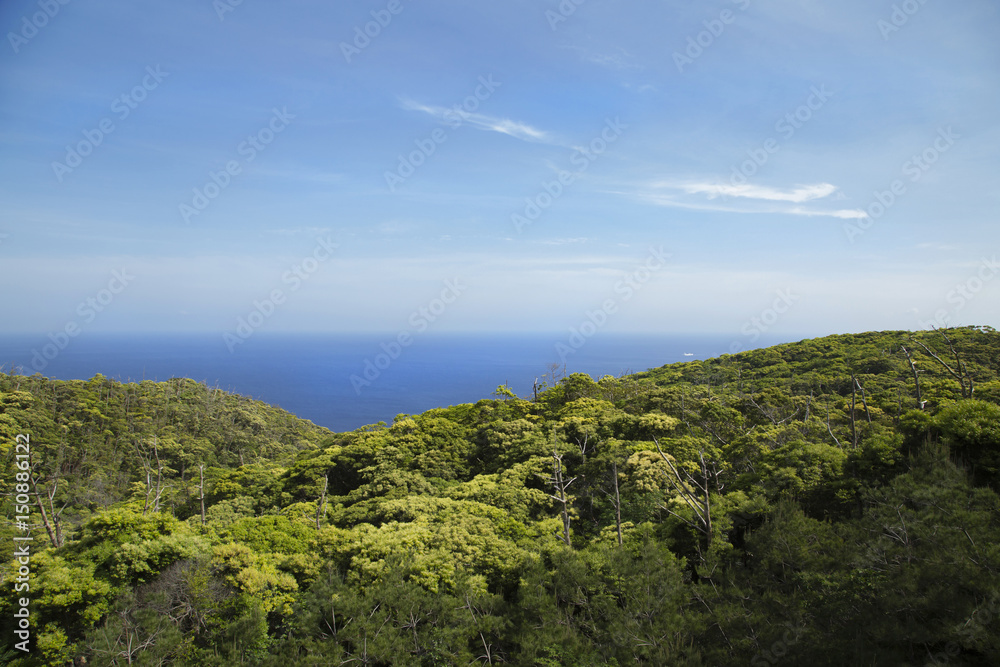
point(309, 374)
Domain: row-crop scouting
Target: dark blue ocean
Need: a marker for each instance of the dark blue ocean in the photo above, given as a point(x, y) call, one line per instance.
point(310, 374)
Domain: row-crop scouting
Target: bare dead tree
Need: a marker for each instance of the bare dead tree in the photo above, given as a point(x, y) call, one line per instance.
point(488, 655)
point(129, 644)
point(149, 487)
point(830, 430)
point(52, 518)
point(201, 490)
point(54, 514)
point(961, 373)
point(761, 410)
point(616, 500)
point(618, 503)
point(151, 491)
point(705, 425)
point(321, 503)
point(916, 376)
point(864, 399)
point(854, 426)
point(581, 444)
point(772, 415)
point(695, 494)
point(159, 476)
point(560, 483)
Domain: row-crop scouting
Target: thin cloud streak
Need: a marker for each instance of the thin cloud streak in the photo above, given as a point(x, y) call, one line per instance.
point(798, 195)
point(456, 117)
point(667, 200)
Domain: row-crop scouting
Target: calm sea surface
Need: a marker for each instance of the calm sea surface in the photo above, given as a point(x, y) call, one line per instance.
point(310, 375)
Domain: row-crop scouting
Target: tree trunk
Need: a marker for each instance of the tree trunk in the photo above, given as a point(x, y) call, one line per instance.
point(159, 477)
point(45, 516)
point(699, 499)
point(321, 505)
point(916, 377)
point(864, 400)
point(618, 504)
point(962, 374)
point(559, 483)
point(854, 427)
point(561, 489)
point(149, 490)
point(201, 490)
point(828, 428)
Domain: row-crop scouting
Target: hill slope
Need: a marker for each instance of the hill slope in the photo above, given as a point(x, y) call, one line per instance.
point(793, 504)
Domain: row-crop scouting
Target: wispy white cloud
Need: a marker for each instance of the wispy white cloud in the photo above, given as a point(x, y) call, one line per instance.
point(798, 194)
point(660, 198)
point(563, 241)
point(844, 214)
point(294, 231)
point(457, 116)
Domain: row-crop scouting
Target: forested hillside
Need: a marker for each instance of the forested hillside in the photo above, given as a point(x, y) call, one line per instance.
point(827, 502)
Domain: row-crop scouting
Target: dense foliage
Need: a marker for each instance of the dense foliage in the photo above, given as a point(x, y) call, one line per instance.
point(827, 502)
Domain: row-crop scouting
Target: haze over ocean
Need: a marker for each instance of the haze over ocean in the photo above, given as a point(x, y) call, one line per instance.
point(310, 374)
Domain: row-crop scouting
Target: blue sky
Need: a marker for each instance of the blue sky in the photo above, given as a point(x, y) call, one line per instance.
point(553, 154)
